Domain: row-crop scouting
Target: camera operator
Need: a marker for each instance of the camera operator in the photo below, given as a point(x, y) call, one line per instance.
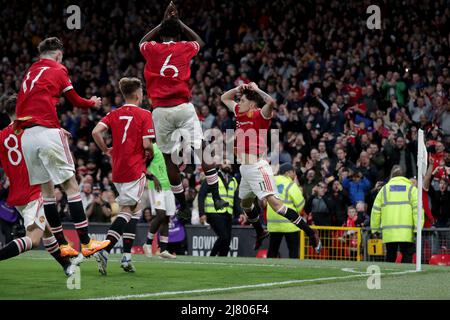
point(99, 210)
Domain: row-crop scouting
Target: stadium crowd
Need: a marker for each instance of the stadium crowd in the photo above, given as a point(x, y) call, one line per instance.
point(349, 100)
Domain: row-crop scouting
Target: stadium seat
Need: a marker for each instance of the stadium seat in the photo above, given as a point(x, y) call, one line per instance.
point(440, 260)
point(137, 250)
point(262, 254)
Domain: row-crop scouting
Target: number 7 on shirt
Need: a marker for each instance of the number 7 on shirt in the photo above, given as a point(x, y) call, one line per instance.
point(127, 125)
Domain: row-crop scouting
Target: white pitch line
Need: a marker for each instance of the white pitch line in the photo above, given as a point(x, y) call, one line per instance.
point(231, 264)
point(251, 286)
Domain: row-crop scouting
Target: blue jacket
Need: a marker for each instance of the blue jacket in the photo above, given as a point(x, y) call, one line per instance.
point(356, 190)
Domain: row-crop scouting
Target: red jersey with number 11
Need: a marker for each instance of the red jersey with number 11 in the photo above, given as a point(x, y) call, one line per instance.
point(252, 130)
point(167, 71)
point(13, 163)
point(129, 125)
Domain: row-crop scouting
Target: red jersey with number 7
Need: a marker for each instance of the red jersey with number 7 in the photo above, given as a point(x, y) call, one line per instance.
point(39, 94)
point(11, 159)
point(129, 125)
point(167, 71)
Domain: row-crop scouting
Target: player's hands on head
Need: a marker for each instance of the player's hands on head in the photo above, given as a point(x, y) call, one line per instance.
point(253, 86)
point(171, 11)
point(97, 100)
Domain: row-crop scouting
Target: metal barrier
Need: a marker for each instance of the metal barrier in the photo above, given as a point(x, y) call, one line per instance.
point(338, 243)
point(434, 241)
point(357, 244)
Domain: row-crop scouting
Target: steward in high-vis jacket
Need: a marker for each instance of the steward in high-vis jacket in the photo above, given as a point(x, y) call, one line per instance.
point(394, 213)
point(220, 220)
point(278, 226)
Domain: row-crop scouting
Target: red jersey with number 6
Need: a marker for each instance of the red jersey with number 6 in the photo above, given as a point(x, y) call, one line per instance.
point(251, 132)
point(11, 159)
point(129, 124)
point(167, 71)
point(39, 94)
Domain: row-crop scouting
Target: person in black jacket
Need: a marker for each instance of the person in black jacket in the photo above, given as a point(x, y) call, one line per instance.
point(320, 206)
point(340, 201)
point(403, 155)
point(320, 209)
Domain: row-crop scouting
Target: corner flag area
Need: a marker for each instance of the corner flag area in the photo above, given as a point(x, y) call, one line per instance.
point(222, 278)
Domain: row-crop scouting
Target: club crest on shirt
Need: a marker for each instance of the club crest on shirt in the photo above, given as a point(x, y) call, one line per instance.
point(250, 114)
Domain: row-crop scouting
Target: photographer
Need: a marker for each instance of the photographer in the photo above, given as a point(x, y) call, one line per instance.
point(99, 210)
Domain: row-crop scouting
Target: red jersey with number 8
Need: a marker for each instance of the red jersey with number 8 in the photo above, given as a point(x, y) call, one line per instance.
point(39, 94)
point(11, 159)
point(129, 124)
point(167, 71)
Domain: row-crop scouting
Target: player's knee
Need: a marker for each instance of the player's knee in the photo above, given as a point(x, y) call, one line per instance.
point(48, 190)
point(35, 235)
point(246, 204)
point(71, 186)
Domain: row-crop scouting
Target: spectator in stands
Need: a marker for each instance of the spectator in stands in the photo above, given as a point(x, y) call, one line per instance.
point(86, 194)
point(319, 206)
point(62, 205)
point(340, 201)
point(402, 155)
point(316, 83)
point(357, 185)
point(440, 198)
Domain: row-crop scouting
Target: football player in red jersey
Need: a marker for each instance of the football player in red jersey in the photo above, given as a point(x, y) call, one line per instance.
point(27, 199)
point(253, 116)
point(132, 133)
point(167, 72)
point(45, 147)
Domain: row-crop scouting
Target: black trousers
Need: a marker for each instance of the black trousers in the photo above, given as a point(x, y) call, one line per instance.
point(292, 241)
point(406, 248)
point(221, 224)
point(7, 229)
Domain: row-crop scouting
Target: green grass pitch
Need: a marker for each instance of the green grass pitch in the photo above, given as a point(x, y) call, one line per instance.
point(35, 275)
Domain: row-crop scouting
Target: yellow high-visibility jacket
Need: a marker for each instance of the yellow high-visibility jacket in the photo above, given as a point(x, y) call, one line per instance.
point(394, 211)
point(225, 194)
point(292, 197)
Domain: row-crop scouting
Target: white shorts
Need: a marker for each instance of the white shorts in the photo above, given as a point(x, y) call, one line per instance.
point(47, 155)
point(164, 200)
point(256, 180)
point(172, 123)
point(33, 213)
point(130, 193)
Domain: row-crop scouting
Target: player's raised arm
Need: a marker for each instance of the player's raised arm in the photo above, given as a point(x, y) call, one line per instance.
point(270, 102)
point(150, 35)
point(191, 34)
point(80, 102)
point(171, 12)
point(228, 97)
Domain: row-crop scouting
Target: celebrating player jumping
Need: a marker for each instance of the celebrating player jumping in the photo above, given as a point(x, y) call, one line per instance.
point(253, 114)
point(45, 147)
point(27, 199)
point(167, 73)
